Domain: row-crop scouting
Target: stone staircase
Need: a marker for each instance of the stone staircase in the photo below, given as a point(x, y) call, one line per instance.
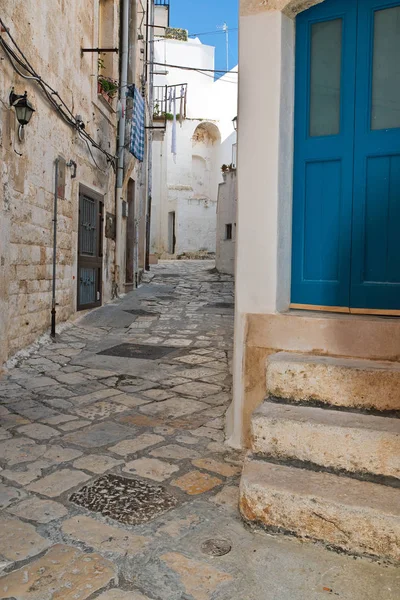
point(325, 454)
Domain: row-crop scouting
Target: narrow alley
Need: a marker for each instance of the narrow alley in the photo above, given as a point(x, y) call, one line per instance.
point(132, 398)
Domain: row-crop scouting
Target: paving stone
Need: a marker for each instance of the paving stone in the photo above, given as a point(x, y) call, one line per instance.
point(121, 595)
point(139, 443)
point(172, 381)
point(197, 373)
point(228, 498)
point(20, 450)
point(96, 395)
point(164, 430)
point(19, 540)
point(157, 394)
point(57, 454)
point(140, 420)
point(217, 467)
point(96, 436)
point(100, 410)
point(198, 579)
point(71, 378)
point(103, 537)
point(4, 434)
point(26, 476)
point(38, 431)
point(58, 482)
point(174, 407)
point(9, 495)
point(130, 401)
point(33, 383)
point(192, 359)
point(197, 389)
point(217, 423)
point(11, 420)
point(41, 511)
point(187, 439)
point(208, 432)
point(97, 463)
point(59, 419)
point(151, 468)
point(178, 527)
point(174, 451)
point(63, 573)
point(196, 482)
point(73, 425)
point(35, 412)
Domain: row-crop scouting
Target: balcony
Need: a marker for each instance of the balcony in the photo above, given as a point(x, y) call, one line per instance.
point(161, 2)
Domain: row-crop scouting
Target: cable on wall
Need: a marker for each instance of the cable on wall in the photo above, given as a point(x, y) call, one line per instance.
point(51, 94)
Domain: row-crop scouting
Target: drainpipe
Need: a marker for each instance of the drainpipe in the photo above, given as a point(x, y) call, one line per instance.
point(121, 131)
point(150, 132)
point(53, 297)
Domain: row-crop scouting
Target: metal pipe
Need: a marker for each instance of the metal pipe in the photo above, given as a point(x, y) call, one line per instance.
point(150, 138)
point(53, 298)
point(121, 134)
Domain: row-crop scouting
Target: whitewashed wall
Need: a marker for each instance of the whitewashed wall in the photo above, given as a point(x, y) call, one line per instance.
point(189, 186)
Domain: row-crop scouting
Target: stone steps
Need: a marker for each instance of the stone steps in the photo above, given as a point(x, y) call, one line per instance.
point(355, 516)
point(362, 384)
point(335, 439)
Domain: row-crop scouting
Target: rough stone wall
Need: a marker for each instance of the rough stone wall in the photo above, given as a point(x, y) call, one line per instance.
point(51, 37)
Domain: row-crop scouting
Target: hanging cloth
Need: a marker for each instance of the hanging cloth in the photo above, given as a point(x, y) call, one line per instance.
point(182, 106)
point(173, 141)
point(136, 142)
point(170, 101)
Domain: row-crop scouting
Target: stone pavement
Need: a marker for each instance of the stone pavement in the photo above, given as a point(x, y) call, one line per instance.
point(115, 481)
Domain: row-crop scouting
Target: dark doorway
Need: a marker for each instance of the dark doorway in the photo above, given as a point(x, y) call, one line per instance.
point(90, 249)
point(130, 235)
point(171, 233)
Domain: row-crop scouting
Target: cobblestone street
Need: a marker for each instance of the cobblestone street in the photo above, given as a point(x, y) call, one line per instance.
point(116, 483)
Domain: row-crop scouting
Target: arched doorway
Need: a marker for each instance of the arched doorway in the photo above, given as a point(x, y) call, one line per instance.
point(346, 208)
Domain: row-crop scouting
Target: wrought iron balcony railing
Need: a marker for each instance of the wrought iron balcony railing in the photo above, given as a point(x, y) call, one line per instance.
point(161, 2)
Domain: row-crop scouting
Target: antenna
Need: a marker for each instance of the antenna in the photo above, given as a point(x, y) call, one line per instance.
point(225, 28)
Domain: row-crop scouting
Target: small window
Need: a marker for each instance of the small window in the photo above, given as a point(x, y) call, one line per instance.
point(228, 231)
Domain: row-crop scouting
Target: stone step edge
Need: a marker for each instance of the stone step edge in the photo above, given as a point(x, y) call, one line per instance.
point(279, 530)
point(359, 364)
point(388, 414)
point(385, 480)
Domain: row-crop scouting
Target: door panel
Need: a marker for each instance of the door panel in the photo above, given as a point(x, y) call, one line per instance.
point(375, 281)
point(90, 251)
point(323, 164)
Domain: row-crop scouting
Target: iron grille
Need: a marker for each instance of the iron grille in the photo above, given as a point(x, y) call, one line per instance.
point(161, 2)
point(88, 217)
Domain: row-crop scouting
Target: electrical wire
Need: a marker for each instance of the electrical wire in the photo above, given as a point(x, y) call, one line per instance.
point(222, 71)
point(50, 93)
point(213, 32)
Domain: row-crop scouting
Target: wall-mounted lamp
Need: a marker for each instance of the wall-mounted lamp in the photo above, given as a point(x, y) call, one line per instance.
point(23, 110)
point(235, 123)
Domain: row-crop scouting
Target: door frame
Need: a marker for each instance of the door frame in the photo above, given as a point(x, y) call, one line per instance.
point(94, 262)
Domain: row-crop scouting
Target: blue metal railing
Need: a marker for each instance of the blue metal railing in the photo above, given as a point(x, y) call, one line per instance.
point(161, 2)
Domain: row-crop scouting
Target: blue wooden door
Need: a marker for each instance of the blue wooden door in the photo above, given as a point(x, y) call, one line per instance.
point(375, 281)
point(346, 208)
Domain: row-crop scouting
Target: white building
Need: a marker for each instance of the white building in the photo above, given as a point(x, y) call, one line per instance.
point(185, 185)
point(317, 333)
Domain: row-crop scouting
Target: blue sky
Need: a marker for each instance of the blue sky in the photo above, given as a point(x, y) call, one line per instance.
point(200, 16)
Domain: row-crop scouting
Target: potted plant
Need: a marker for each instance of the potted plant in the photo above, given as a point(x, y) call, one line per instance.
point(106, 86)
